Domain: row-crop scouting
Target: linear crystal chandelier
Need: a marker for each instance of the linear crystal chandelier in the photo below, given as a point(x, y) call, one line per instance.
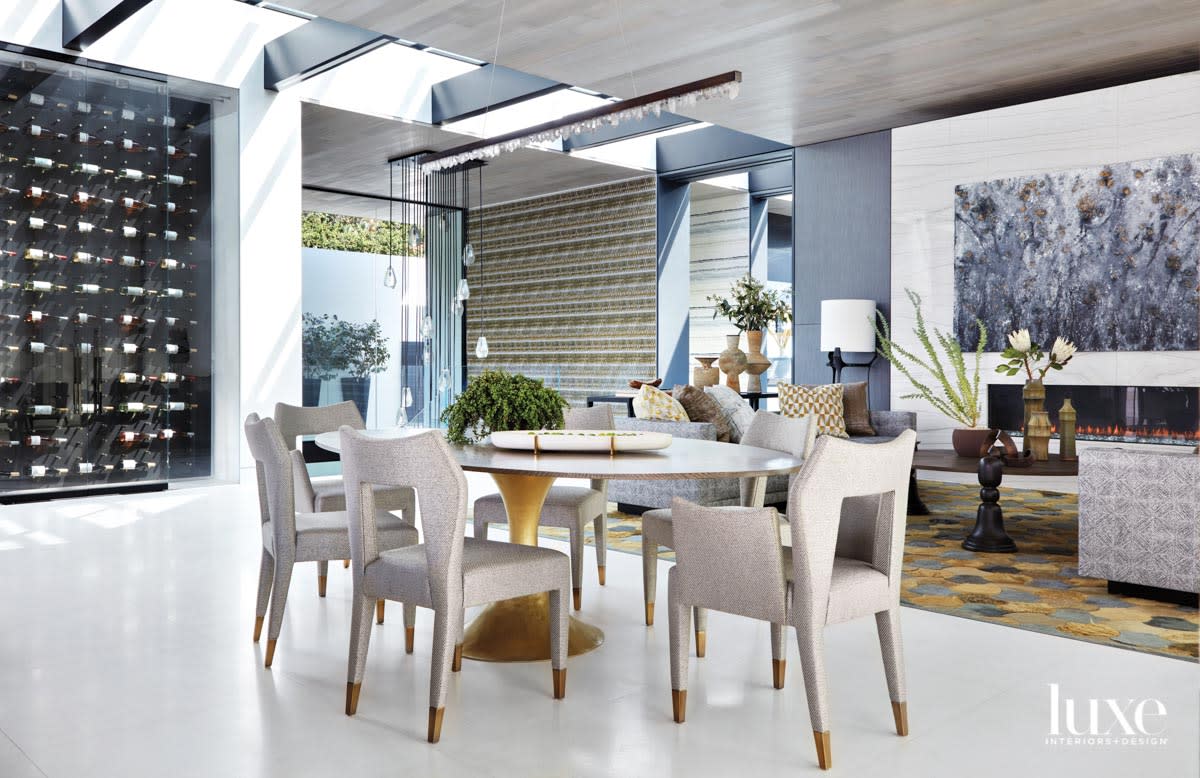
point(671, 99)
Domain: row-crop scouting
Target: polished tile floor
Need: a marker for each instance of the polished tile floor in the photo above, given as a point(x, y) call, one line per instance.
point(125, 650)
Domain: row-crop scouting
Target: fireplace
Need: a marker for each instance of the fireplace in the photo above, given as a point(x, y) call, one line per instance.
point(1129, 414)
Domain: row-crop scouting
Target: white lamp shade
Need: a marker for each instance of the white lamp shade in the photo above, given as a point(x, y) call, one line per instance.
point(848, 325)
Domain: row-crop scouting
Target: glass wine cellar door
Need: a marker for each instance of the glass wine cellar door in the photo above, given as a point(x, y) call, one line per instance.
point(106, 275)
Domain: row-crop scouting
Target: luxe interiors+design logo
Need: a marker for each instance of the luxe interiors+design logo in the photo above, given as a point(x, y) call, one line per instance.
point(1105, 721)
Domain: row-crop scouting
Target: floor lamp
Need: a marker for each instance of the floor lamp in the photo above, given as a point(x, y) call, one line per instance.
point(848, 325)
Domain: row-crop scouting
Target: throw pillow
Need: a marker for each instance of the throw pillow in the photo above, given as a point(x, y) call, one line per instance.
point(651, 403)
point(823, 403)
point(856, 410)
point(700, 407)
point(735, 409)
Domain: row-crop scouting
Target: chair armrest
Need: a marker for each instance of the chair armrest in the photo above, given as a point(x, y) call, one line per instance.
point(892, 423)
point(697, 430)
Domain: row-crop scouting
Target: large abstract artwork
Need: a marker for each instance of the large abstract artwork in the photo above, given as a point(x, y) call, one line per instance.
point(1108, 257)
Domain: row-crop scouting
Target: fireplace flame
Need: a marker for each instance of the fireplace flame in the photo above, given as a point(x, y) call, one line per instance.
point(1131, 434)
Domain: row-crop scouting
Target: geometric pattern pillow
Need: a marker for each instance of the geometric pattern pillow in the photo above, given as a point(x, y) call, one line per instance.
point(822, 402)
point(651, 403)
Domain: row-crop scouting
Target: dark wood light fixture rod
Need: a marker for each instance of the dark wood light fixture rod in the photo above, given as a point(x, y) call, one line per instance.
point(592, 114)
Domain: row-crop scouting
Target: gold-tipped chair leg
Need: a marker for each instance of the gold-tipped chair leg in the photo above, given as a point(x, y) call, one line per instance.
point(649, 614)
point(824, 756)
point(577, 598)
point(900, 714)
point(600, 574)
point(321, 581)
point(270, 653)
point(560, 683)
point(409, 637)
point(352, 691)
point(456, 663)
point(435, 724)
point(679, 704)
point(345, 564)
point(701, 643)
point(258, 622)
point(379, 611)
point(778, 672)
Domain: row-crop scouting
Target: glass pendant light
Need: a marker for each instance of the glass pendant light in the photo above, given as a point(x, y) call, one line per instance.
point(464, 290)
point(389, 276)
point(414, 237)
point(468, 255)
point(458, 306)
point(427, 327)
point(481, 347)
point(443, 383)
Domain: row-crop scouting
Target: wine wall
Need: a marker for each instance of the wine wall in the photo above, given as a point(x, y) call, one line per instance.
point(106, 266)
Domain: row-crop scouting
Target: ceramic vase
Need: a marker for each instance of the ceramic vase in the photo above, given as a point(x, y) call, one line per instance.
point(970, 441)
point(756, 362)
point(1037, 436)
point(732, 362)
point(706, 374)
point(1034, 395)
point(1066, 432)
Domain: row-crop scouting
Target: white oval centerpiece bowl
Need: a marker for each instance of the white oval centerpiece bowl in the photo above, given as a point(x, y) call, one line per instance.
point(581, 440)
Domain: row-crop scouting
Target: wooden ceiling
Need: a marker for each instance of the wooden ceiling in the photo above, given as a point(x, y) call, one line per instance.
point(813, 69)
point(349, 151)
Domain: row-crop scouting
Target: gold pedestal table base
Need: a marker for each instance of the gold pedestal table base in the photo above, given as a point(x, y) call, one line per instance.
point(518, 630)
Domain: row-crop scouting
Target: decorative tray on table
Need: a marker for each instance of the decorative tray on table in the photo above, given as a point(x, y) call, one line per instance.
point(610, 441)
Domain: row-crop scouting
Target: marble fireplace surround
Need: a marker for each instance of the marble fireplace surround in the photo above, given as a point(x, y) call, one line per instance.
point(1136, 121)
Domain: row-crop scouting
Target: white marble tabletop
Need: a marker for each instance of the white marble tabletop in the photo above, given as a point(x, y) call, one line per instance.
point(684, 458)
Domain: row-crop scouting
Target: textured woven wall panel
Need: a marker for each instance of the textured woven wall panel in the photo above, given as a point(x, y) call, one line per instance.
point(567, 290)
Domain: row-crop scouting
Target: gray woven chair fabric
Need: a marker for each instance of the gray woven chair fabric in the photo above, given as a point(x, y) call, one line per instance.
point(290, 537)
point(571, 507)
point(447, 571)
point(767, 430)
point(846, 514)
point(328, 493)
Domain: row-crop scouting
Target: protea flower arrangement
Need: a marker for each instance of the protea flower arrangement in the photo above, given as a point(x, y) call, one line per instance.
point(1022, 352)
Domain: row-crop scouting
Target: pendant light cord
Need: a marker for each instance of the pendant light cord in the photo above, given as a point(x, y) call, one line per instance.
point(625, 45)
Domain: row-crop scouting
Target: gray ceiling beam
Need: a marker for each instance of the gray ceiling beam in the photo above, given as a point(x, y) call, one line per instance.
point(715, 151)
point(772, 180)
point(86, 21)
point(314, 48)
point(486, 88)
point(631, 128)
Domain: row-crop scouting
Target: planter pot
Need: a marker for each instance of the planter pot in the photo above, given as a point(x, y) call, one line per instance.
point(358, 390)
point(312, 392)
point(732, 362)
point(756, 362)
point(706, 374)
point(970, 442)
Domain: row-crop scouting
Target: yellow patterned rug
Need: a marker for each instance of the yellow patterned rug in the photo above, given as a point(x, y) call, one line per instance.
point(1038, 588)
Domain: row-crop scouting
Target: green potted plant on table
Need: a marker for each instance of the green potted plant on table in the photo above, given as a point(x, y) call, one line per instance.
point(957, 391)
point(318, 354)
point(752, 309)
point(495, 400)
point(364, 352)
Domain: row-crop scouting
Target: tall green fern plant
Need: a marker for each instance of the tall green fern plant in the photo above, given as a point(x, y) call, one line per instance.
point(958, 397)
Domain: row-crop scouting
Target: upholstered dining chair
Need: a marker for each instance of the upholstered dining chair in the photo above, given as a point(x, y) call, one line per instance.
point(571, 507)
point(795, 436)
point(846, 513)
point(290, 536)
point(327, 493)
point(448, 572)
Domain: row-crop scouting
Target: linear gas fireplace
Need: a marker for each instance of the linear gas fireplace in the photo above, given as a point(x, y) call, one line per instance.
point(1130, 414)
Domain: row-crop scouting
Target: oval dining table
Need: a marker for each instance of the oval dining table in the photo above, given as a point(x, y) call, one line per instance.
point(518, 630)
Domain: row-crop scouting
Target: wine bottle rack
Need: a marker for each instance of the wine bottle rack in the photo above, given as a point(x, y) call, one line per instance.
point(106, 268)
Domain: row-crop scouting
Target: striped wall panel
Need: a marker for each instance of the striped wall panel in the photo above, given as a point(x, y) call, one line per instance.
point(720, 246)
point(565, 290)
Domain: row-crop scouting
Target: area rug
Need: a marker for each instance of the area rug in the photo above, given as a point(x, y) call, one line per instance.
point(1038, 588)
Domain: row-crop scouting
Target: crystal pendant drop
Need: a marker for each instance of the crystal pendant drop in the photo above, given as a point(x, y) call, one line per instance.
point(389, 278)
point(426, 355)
point(458, 307)
point(481, 347)
point(414, 237)
point(464, 290)
point(443, 383)
point(427, 327)
point(468, 257)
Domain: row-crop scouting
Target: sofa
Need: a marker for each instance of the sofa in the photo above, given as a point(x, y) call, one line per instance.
point(1139, 519)
point(638, 496)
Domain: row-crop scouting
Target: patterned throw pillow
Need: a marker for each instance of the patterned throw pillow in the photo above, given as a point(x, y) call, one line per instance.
point(700, 407)
point(824, 402)
point(651, 403)
point(734, 408)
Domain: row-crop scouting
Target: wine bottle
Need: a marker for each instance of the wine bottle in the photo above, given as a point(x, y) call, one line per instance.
point(41, 410)
point(133, 205)
point(37, 471)
point(33, 441)
point(34, 317)
point(87, 408)
point(82, 199)
point(171, 348)
point(37, 255)
point(42, 163)
point(169, 378)
point(174, 152)
point(83, 468)
point(132, 146)
point(176, 405)
point(84, 227)
point(133, 291)
point(83, 318)
point(36, 195)
point(169, 264)
point(87, 288)
point(84, 258)
point(131, 174)
point(128, 231)
point(131, 407)
point(176, 180)
point(86, 138)
point(127, 260)
point(128, 114)
point(129, 348)
point(170, 235)
point(87, 169)
point(129, 436)
point(83, 348)
point(172, 291)
point(166, 433)
point(129, 378)
point(37, 347)
point(39, 286)
point(83, 107)
point(128, 320)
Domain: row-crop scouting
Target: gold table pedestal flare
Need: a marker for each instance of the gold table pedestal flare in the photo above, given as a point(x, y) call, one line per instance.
point(518, 630)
